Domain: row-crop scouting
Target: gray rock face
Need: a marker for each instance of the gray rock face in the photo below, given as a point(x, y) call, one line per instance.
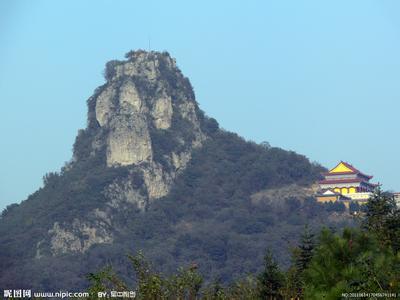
point(144, 119)
point(128, 141)
point(121, 193)
point(105, 107)
point(162, 113)
point(79, 237)
point(137, 100)
point(144, 98)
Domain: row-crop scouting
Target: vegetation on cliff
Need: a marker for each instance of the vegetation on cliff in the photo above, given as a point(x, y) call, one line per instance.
point(330, 266)
point(208, 217)
point(152, 172)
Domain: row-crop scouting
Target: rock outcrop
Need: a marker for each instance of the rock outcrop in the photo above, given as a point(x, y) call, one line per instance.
point(151, 172)
point(141, 118)
point(145, 119)
point(79, 238)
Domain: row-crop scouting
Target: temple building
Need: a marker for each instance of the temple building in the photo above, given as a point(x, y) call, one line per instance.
point(347, 184)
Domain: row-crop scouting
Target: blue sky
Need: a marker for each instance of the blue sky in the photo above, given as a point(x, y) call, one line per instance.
point(318, 77)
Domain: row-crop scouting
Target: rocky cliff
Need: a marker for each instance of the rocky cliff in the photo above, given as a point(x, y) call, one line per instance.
point(146, 103)
point(144, 118)
point(151, 172)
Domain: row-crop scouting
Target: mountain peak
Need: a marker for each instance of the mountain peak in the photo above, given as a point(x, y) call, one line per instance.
point(148, 65)
point(151, 171)
point(145, 116)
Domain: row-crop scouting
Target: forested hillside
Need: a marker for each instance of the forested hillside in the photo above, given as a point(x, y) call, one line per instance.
point(152, 172)
point(362, 262)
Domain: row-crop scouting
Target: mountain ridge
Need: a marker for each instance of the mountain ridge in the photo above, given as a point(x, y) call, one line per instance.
point(151, 171)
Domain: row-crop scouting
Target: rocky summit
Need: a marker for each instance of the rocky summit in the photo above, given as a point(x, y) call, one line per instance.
point(152, 172)
point(145, 118)
point(144, 98)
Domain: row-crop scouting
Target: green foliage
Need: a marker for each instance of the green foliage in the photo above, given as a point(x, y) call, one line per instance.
point(301, 258)
point(358, 260)
point(209, 125)
point(104, 280)
point(354, 207)
point(293, 286)
point(382, 217)
point(51, 178)
point(110, 69)
point(185, 284)
point(9, 209)
point(335, 207)
point(271, 280)
point(64, 197)
point(208, 217)
point(240, 167)
point(351, 262)
point(83, 147)
point(169, 140)
point(306, 250)
point(243, 289)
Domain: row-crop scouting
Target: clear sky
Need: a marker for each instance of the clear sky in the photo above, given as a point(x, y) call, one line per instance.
point(318, 77)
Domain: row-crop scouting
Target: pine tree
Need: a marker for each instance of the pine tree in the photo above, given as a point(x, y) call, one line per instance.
point(301, 257)
point(306, 248)
point(271, 279)
point(382, 218)
point(353, 261)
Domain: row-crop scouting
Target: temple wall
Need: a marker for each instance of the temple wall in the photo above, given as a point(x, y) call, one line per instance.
point(339, 177)
point(339, 185)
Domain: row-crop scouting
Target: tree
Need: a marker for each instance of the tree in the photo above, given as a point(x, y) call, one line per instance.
point(382, 218)
point(185, 284)
point(354, 207)
point(306, 249)
point(9, 209)
point(301, 257)
point(50, 178)
point(102, 281)
point(271, 279)
point(352, 262)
